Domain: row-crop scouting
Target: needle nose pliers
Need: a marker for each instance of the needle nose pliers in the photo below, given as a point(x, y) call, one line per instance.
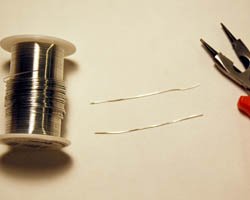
point(226, 67)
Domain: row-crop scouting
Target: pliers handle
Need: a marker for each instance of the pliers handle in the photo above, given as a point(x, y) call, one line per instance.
point(244, 105)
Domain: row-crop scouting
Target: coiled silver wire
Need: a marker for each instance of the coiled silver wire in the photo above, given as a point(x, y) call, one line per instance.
point(35, 91)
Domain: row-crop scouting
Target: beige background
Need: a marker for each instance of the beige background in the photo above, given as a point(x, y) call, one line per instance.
point(125, 48)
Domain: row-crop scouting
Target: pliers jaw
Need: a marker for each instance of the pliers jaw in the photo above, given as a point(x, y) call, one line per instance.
point(239, 47)
point(242, 52)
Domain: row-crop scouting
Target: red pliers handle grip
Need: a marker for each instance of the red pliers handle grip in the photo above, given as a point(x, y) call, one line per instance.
point(244, 105)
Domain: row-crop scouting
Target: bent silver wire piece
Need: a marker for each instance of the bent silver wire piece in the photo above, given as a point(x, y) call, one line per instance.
point(35, 91)
point(226, 66)
point(145, 95)
point(151, 126)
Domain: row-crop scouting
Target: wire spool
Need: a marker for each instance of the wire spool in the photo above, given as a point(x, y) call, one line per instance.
point(35, 91)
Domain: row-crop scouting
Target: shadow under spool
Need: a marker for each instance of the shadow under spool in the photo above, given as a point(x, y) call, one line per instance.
point(35, 91)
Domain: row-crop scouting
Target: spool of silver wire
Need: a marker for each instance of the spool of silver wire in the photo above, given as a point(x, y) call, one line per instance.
point(35, 91)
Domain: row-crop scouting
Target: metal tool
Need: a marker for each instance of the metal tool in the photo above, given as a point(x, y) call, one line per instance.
point(226, 66)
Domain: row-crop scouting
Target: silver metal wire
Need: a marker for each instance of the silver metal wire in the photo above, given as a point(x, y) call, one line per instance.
point(145, 95)
point(35, 91)
point(151, 126)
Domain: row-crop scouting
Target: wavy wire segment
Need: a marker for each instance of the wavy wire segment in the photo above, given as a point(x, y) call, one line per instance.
point(151, 126)
point(145, 95)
